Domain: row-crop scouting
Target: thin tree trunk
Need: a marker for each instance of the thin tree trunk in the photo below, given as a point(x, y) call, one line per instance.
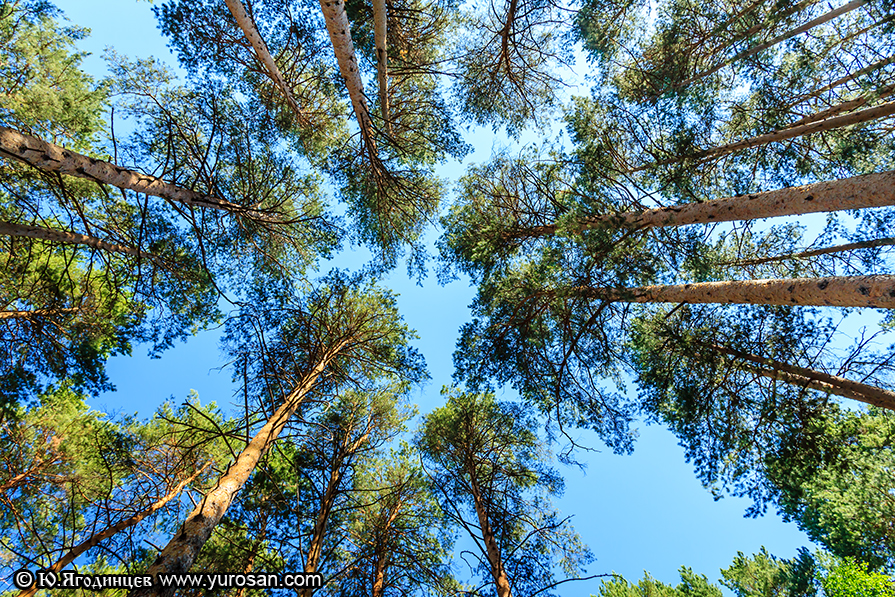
point(245, 22)
point(859, 192)
point(829, 16)
point(880, 93)
point(833, 291)
point(53, 158)
point(315, 549)
point(501, 582)
point(380, 35)
point(867, 244)
point(378, 588)
point(340, 36)
point(72, 238)
point(97, 538)
point(14, 314)
point(180, 553)
point(813, 126)
point(815, 380)
point(842, 80)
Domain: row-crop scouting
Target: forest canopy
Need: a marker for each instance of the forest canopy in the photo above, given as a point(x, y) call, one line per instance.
point(687, 223)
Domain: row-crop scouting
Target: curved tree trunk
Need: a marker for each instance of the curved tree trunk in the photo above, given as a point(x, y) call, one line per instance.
point(245, 22)
point(53, 158)
point(859, 192)
point(815, 380)
point(380, 35)
point(833, 291)
point(134, 520)
point(178, 556)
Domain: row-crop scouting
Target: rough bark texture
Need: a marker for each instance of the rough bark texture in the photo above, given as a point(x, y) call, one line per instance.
point(134, 520)
point(71, 238)
point(245, 22)
point(859, 192)
point(816, 380)
point(46, 156)
point(380, 35)
point(834, 291)
point(178, 556)
point(340, 36)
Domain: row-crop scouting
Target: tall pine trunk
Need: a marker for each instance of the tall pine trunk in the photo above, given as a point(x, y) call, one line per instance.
point(380, 35)
point(53, 158)
point(833, 291)
point(248, 27)
point(70, 238)
point(178, 556)
point(501, 581)
point(815, 380)
point(859, 192)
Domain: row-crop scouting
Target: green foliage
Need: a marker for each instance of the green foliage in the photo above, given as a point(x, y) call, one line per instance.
point(852, 579)
point(692, 585)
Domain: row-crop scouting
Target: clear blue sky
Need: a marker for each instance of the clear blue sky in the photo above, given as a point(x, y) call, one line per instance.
point(641, 512)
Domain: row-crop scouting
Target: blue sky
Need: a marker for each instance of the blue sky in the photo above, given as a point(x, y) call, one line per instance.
point(641, 512)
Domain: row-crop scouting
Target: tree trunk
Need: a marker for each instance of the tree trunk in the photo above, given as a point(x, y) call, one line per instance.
point(37, 312)
point(842, 80)
point(380, 35)
point(315, 549)
point(501, 582)
point(859, 192)
point(867, 244)
point(833, 291)
point(72, 238)
point(180, 553)
point(815, 380)
point(340, 36)
point(247, 25)
point(829, 16)
point(53, 158)
point(859, 101)
point(813, 126)
point(134, 520)
point(378, 588)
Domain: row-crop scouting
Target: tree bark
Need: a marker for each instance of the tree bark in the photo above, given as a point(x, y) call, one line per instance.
point(72, 238)
point(859, 101)
point(380, 35)
point(834, 291)
point(245, 22)
point(842, 80)
point(316, 545)
point(53, 158)
point(501, 582)
point(815, 380)
point(178, 556)
point(15, 314)
point(859, 192)
point(97, 538)
point(340, 36)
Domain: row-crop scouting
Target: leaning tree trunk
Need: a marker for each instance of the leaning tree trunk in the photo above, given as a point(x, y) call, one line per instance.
point(815, 380)
point(178, 556)
point(501, 581)
point(53, 158)
point(813, 126)
point(380, 35)
point(134, 520)
point(315, 548)
point(70, 238)
point(833, 291)
point(340, 36)
point(859, 101)
point(245, 22)
point(866, 244)
point(829, 16)
point(841, 81)
point(859, 192)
